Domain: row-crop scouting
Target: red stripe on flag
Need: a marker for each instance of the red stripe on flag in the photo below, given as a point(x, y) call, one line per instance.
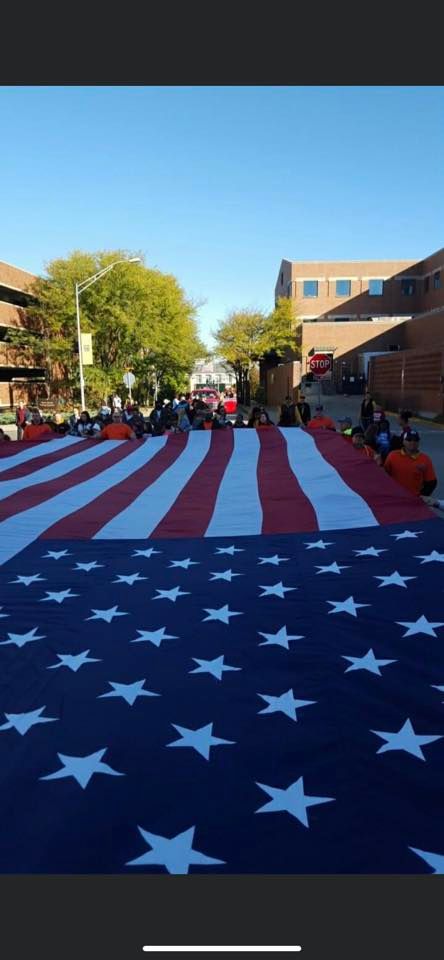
point(86, 522)
point(286, 508)
point(389, 502)
point(192, 511)
point(30, 466)
point(33, 496)
point(10, 449)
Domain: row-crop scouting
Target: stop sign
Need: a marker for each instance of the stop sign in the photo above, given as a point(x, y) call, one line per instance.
point(320, 364)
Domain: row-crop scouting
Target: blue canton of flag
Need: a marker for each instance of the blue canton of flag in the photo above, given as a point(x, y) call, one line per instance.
point(266, 704)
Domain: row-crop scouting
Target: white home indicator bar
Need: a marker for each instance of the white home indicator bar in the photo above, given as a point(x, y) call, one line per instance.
point(223, 949)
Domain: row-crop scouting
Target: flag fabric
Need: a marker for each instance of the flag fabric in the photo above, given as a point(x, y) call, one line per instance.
point(218, 702)
point(201, 484)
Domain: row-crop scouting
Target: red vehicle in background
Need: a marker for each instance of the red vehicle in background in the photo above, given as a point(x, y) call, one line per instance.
point(209, 396)
point(212, 398)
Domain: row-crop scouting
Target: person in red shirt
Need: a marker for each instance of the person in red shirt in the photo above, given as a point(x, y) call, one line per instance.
point(411, 468)
point(358, 441)
point(37, 430)
point(320, 421)
point(116, 430)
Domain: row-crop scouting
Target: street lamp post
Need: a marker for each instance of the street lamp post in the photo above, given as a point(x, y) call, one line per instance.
point(80, 287)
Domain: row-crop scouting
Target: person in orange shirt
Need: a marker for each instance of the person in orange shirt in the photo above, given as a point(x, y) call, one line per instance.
point(411, 468)
point(37, 430)
point(320, 421)
point(116, 430)
point(358, 442)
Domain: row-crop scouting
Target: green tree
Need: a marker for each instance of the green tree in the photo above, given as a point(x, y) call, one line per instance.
point(247, 336)
point(139, 318)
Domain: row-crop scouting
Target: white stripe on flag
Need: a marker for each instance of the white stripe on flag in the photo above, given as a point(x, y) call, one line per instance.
point(238, 510)
point(29, 451)
point(19, 531)
point(336, 505)
point(57, 469)
point(145, 512)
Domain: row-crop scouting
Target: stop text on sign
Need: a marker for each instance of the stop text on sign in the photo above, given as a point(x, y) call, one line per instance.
point(320, 364)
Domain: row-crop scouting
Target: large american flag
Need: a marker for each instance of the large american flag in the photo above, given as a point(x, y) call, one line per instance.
point(256, 687)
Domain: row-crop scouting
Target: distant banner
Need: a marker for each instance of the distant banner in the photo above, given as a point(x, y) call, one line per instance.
point(87, 353)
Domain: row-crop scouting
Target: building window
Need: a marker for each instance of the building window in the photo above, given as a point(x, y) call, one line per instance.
point(426, 284)
point(282, 279)
point(343, 288)
point(289, 290)
point(408, 287)
point(376, 288)
point(310, 288)
point(437, 280)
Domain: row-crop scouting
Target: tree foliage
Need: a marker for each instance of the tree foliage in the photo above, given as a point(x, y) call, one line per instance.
point(140, 319)
point(247, 336)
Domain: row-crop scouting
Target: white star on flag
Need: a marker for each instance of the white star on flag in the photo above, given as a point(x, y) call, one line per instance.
point(20, 639)
point(172, 594)
point(107, 615)
point(230, 550)
point(434, 860)
point(130, 579)
point(369, 552)
point(221, 613)
point(22, 722)
point(280, 639)
point(346, 606)
point(82, 768)
point(87, 567)
point(368, 662)
point(224, 575)
point(333, 568)
point(56, 554)
point(73, 661)
point(293, 800)
point(128, 691)
point(185, 564)
point(3, 615)
point(275, 590)
point(175, 854)
point(319, 545)
point(58, 596)
point(405, 739)
point(27, 580)
point(275, 560)
point(154, 636)
point(394, 579)
point(146, 553)
point(406, 535)
point(284, 703)
point(421, 625)
point(431, 557)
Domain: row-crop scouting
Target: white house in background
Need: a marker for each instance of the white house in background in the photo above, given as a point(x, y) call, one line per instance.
point(212, 373)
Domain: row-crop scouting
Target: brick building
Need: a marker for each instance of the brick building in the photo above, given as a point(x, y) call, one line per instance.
point(358, 308)
point(18, 379)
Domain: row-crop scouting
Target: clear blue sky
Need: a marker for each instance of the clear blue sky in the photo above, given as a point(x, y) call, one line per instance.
point(217, 184)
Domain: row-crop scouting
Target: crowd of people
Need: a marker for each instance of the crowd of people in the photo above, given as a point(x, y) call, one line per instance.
point(397, 453)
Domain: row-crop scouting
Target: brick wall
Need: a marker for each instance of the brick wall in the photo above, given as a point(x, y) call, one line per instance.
point(412, 379)
point(14, 277)
point(283, 381)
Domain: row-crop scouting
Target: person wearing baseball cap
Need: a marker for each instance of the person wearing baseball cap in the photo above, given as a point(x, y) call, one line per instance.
point(358, 442)
point(320, 421)
point(412, 469)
